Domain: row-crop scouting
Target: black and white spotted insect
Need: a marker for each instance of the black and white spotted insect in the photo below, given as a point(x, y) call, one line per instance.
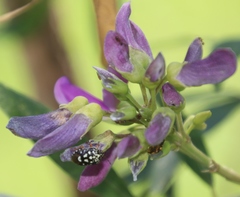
point(87, 154)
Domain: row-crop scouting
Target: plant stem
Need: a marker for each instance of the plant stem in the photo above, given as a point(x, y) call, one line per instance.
point(187, 148)
point(144, 94)
point(180, 127)
point(152, 104)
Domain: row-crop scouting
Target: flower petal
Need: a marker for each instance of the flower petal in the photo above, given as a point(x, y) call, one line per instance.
point(95, 174)
point(36, 127)
point(63, 137)
point(128, 146)
point(110, 100)
point(160, 126)
point(217, 67)
point(171, 96)
point(156, 70)
point(141, 39)
point(116, 52)
point(194, 52)
point(65, 92)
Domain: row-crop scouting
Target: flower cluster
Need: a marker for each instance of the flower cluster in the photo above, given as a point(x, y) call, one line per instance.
point(130, 60)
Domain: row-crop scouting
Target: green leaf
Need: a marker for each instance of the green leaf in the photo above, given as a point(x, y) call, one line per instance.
point(197, 140)
point(15, 104)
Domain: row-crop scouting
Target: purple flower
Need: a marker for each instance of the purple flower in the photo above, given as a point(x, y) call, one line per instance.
point(95, 172)
point(215, 68)
point(118, 44)
point(65, 92)
point(56, 130)
point(172, 98)
point(128, 146)
point(160, 126)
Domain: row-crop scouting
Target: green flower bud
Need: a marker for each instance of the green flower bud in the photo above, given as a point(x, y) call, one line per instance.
point(201, 117)
point(77, 103)
point(173, 70)
point(105, 139)
point(124, 111)
point(93, 111)
point(140, 61)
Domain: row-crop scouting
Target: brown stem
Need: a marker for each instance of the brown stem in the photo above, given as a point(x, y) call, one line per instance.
point(105, 14)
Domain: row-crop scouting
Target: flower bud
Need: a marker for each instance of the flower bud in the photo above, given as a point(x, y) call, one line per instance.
point(160, 126)
point(173, 70)
point(124, 111)
point(112, 83)
point(155, 72)
point(140, 61)
point(77, 103)
point(137, 164)
point(172, 98)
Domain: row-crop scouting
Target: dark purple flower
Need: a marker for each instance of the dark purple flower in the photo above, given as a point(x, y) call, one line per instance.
point(60, 131)
point(127, 35)
point(36, 127)
point(160, 126)
point(65, 92)
point(217, 67)
point(128, 146)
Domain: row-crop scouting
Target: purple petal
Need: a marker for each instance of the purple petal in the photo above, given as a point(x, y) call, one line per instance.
point(63, 137)
point(158, 129)
point(130, 31)
point(217, 67)
point(128, 146)
point(36, 127)
point(141, 39)
point(194, 52)
point(110, 100)
point(156, 70)
point(170, 96)
point(95, 174)
point(123, 26)
point(110, 69)
point(116, 52)
point(65, 92)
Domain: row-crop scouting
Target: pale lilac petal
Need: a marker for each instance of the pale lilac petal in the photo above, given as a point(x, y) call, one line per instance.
point(65, 92)
point(130, 31)
point(36, 127)
point(158, 129)
point(110, 100)
point(63, 137)
point(128, 146)
point(123, 26)
point(170, 96)
point(116, 52)
point(93, 175)
point(194, 52)
point(141, 39)
point(156, 70)
point(217, 67)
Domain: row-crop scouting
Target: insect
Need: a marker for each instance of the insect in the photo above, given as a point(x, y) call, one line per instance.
point(155, 149)
point(87, 154)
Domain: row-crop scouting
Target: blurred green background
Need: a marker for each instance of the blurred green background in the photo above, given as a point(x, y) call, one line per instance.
point(170, 26)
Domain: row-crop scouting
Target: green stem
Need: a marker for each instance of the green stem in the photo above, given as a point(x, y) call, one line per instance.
point(144, 94)
point(152, 104)
point(133, 101)
point(187, 148)
point(180, 127)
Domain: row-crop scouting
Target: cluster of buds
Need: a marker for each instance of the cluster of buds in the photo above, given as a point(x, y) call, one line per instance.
point(150, 122)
